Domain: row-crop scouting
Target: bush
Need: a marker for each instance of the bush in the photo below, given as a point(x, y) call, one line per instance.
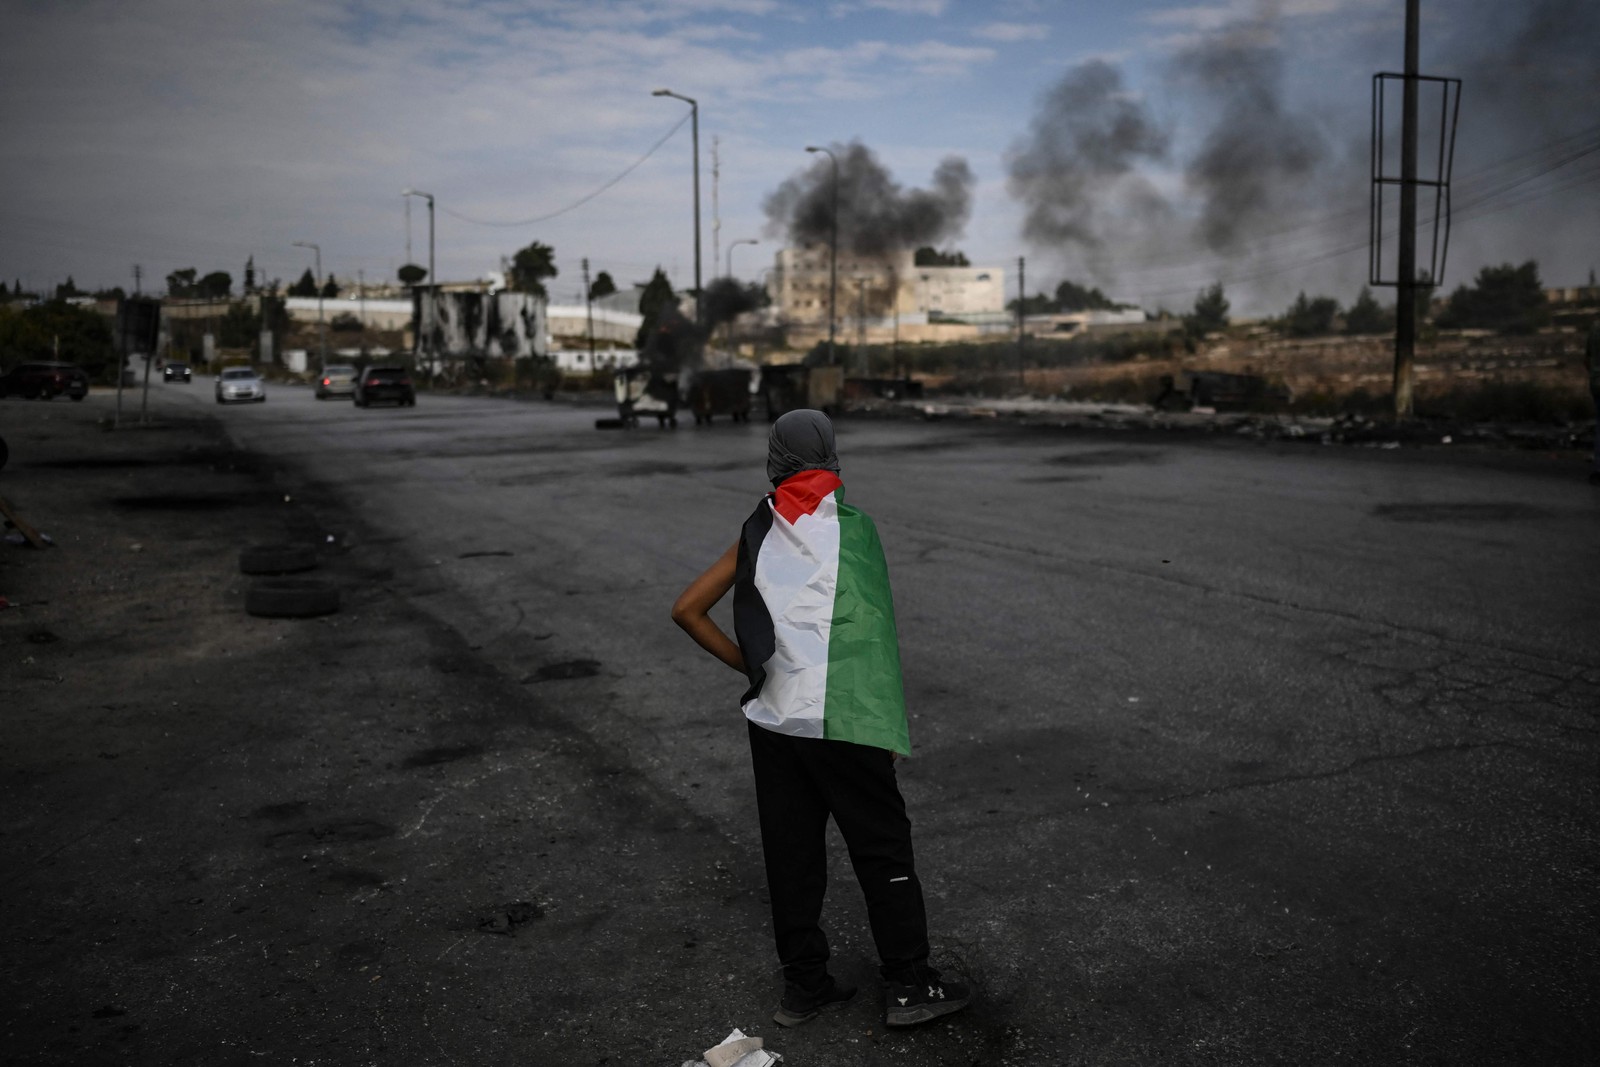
point(1502, 401)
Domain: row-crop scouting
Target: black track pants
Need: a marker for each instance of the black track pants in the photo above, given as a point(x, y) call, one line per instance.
point(801, 781)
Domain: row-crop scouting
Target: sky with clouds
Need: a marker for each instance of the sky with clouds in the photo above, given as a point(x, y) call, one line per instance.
point(1146, 146)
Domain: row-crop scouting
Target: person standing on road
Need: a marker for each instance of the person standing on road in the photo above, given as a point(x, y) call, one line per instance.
point(1591, 360)
point(816, 638)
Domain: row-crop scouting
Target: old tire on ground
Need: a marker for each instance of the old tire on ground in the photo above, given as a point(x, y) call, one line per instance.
point(276, 559)
point(291, 598)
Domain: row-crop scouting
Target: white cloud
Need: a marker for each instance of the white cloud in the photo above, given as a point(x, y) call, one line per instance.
point(1010, 32)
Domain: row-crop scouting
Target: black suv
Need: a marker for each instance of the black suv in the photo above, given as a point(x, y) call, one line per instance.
point(176, 372)
point(385, 383)
point(44, 381)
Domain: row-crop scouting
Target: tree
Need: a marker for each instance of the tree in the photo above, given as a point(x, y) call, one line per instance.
point(116, 292)
point(1366, 315)
point(1506, 299)
point(411, 274)
point(215, 286)
point(1310, 318)
point(306, 286)
point(602, 286)
point(1210, 312)
point(330, 288)
point(928, 256)
point(1073, 297)
point(68, 288)
point(180, 283)
point(530, 267)
point(656, 298)
point(83, 335)
point(1037, 304)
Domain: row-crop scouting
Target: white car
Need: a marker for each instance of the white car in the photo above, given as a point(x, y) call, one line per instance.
point(240, 384)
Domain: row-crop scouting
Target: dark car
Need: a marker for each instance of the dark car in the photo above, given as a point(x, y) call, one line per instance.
point(177, 372)
point(385, 383)
point(44, 381)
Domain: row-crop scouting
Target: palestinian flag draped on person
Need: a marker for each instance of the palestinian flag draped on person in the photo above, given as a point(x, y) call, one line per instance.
point(814, 618)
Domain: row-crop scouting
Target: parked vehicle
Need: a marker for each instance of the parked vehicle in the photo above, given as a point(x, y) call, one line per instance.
point(239, 385)
point(176, 372)
point(44, 381)
point(720, 392)
point(787, 387)
point(385, 383)
point(338, 379)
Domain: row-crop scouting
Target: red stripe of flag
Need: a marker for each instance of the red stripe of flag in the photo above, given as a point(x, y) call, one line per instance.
point(800, 494)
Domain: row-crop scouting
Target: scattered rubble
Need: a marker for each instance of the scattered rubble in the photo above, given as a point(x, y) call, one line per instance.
point(1355, 430)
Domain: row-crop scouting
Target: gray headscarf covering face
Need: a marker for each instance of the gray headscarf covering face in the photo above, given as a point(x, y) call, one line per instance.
point(800, 441)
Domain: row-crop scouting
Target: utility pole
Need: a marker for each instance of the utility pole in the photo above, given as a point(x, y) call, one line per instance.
point(1022, 301)
point(1405, 319)
point(138, 271)
point(588, 311)
point(861, 324)
point(716, 215)
point(894, 301)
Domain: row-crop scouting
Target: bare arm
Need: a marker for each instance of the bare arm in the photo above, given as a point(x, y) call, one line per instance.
point(694, 604)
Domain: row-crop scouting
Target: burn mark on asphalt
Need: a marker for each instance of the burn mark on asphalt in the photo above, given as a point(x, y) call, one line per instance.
point(355, 878)
point(1057, 479)
point(178, 502)
point(91, 463)
point(346, 832)
point(480, 555)
point(432, 757)
point(560, 672)
point(1461, 512)
point(1106, 457)
point(289, 809)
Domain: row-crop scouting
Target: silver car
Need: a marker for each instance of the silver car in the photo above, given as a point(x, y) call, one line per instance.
point(336, 379)
point(237, 384)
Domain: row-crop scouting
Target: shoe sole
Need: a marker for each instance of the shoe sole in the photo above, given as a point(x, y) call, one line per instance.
point(923, 1013)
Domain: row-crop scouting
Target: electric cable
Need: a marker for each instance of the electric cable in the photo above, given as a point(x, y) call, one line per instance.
point(582, 200)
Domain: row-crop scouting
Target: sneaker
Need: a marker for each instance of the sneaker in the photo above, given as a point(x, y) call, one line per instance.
point(798, 1006)
point(925, 997)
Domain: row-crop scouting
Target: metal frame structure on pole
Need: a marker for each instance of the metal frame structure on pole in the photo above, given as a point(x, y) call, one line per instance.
point(1407, 280)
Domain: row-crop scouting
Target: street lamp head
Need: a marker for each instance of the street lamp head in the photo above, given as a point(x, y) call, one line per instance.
point(661, 92)
point(814, 148)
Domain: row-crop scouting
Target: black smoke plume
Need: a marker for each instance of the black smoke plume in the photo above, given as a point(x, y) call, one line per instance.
point(1259, 157)
point(1086, 138)
point(876, 216)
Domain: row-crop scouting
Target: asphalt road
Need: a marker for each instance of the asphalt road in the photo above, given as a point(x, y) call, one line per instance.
point(1223, 752)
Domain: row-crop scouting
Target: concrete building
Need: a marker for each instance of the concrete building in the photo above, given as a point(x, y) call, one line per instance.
point(880, 298)
point(881, 288)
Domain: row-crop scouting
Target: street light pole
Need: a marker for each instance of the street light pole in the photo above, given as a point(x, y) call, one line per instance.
point(322, 329)
point(433, 283)
point(694, 126)
point(729, 276)
point(736, 244)
point(833, 254)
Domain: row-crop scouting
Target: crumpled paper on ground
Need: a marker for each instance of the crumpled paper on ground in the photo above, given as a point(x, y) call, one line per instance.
point(736, 1050)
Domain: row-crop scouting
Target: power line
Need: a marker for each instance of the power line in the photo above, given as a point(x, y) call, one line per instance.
point(577, 203)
